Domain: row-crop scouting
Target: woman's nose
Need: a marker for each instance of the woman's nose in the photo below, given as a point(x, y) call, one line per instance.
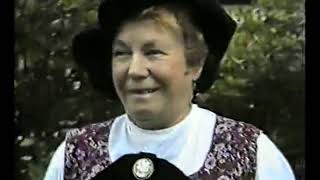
point(138, 67)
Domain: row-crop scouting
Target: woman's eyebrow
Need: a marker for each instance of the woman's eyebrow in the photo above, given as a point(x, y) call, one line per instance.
point(120, 43)
point(148, 45)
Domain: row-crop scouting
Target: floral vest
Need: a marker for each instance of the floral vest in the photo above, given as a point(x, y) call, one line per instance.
point(232, 155)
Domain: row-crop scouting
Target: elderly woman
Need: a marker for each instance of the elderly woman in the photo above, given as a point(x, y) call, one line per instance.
point(156, 55)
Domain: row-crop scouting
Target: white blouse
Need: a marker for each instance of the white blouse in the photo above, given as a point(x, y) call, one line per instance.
point(189, 137)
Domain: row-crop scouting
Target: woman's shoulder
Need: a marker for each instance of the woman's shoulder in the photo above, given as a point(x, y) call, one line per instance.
point(225, 127)
point(92, 130)
point(223, 122)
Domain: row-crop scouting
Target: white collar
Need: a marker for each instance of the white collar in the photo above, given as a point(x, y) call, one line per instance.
point(185, 144)
point(136, 132)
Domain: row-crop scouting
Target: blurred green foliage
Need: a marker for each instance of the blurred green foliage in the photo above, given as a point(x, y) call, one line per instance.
point(261, 79)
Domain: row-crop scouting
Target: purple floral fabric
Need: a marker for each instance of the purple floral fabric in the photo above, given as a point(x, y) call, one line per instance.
point(86, 151)
point(233, 152)
point(232, 155)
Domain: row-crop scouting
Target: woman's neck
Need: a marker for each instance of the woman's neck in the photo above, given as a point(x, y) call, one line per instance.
point(167, 120)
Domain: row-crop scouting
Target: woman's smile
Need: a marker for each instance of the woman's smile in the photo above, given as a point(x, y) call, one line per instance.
point(142, 93)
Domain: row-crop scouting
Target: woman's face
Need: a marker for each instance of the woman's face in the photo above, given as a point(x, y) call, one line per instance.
point(150, 74)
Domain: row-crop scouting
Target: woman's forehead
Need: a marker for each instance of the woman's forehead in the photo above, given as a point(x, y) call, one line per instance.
point(146, 31)
point(159, 15)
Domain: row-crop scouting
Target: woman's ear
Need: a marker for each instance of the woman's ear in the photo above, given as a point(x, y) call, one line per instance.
point(196, 72)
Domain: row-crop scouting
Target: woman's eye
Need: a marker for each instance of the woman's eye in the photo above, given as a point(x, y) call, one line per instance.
point(120, 53)
point(154, 52)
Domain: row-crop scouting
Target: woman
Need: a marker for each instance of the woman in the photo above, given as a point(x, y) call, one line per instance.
point(162, 52)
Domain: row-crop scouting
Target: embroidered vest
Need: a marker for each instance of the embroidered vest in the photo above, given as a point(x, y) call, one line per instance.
point(232, 155)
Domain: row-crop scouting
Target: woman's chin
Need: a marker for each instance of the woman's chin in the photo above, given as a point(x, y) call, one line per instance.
point(142, 113)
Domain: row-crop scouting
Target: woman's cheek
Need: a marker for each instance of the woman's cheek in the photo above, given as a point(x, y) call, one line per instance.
point(118, 76)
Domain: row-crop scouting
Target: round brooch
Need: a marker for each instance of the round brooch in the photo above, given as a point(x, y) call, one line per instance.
point(143, 168)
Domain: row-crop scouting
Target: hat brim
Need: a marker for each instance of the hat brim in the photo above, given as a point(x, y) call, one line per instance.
point(92, 52)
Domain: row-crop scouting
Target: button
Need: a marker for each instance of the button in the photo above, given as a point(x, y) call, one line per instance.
point(143, 168)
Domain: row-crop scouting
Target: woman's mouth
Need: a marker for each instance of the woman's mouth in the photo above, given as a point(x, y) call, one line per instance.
point(143, 91)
